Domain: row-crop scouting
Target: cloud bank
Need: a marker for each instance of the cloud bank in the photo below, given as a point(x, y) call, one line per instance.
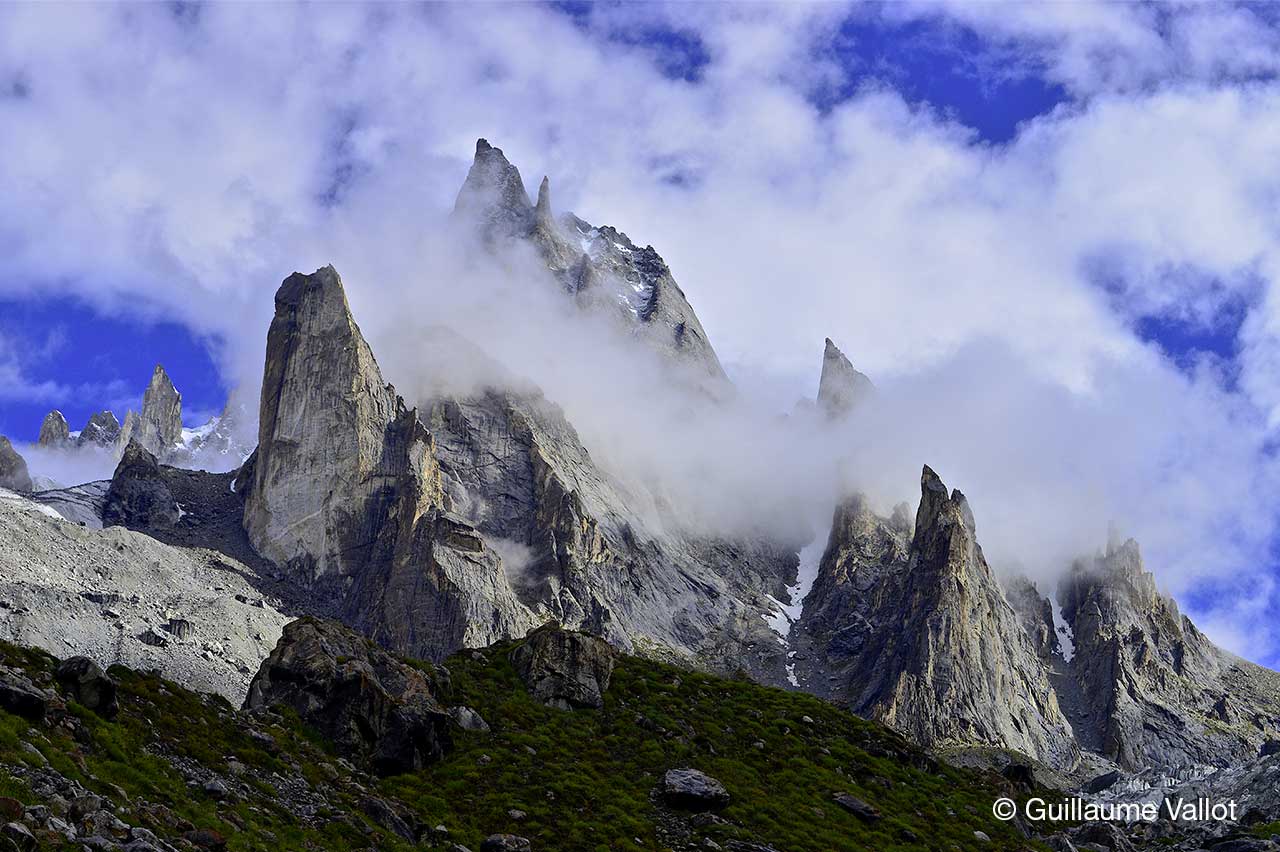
point(177, 162)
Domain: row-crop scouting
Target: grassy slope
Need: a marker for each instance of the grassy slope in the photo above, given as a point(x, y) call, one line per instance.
point(584, 778)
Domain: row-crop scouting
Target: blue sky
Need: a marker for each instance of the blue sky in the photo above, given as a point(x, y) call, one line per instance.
point(1056, 223)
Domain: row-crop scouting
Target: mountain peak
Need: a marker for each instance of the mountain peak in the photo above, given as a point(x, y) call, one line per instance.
point(54, 430)
point(841, 387)
point(493, 195)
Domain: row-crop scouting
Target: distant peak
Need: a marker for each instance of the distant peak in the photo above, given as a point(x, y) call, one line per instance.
point(493, 194)
point(841, 387)
point(482, 145)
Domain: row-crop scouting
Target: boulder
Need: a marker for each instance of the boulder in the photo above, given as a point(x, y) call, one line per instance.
point(506, 843)
point(21, 697)
point(377, 710)
point(857, 807)
point(564, 668)
point(89, 686)
point(693, 790)
point(138, 497)
point(13, 468)
point(469, 720)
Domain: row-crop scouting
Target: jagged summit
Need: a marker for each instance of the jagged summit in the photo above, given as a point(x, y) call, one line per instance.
point(54, 431)
point(841, 387)
point(493, 195)
point(101, 430)
point(158, 427)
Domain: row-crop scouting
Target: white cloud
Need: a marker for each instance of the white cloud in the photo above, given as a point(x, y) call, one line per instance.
point(181, 166)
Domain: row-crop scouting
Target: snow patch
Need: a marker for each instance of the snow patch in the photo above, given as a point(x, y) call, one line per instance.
point(1066, 639)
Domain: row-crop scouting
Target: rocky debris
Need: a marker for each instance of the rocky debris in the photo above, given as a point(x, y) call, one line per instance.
point(54, 431)
point(75, 590)
point(345, 489)
point(857, 807)
point(693, 790)
point(138, 497)
point(13, 468)
point(563, 668)
point(506, 843)
point(86, 683)
point(376, 709)
point(102, 430)
point(841, 388)
point(920, 636)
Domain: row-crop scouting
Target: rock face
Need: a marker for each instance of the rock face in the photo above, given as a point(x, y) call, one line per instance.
point(102, 430)
point(159, 427)
point(376, 709)
point(1160, 693)
point(916, 632)
point(13, 468)
point(54, 431)
point(563, 668)
point(138, 497)
point(841, 387)
point(345, 489)
point(598, 266)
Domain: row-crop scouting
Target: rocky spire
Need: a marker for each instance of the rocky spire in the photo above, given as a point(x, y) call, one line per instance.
point(493, 195)
point(542, 212)
point(917, 631)
point(345, 488)
point(841, 387)
point(102, 430)
point(54, 431)
point(162, 407)
point(13, 468)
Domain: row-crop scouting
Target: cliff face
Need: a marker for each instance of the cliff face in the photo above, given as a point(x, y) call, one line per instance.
point(345, 488)
point(912, 628)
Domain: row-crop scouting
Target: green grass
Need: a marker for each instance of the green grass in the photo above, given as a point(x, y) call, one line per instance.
point(584, 779)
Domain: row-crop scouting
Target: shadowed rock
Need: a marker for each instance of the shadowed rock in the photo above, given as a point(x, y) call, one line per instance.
point(376, 709)
point(13, 468)
point(87, 684)
point(138, 497)
point(563, 668)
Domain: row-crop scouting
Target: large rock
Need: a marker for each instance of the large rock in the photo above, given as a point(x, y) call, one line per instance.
point(913, 629)
point(694, 790)
point(138, 497)
point(563, 668)
point(841, 387)
point(86, 683)
point(21, 697)
point(376, 709)
point(13, 468)
point(345, 489)
point(54, 431)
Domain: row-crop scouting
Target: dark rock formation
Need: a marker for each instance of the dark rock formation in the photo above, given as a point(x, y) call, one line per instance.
point(693, 790)
point(920, 636)
point(345, 489)
point(138, 497)
point(88, 685)
point(857, 807)
point(54, 431)
point(13, 468)
point(841, 387)
point(21, 697)
point(506, 843)
point(376, 709)
point(563, 668)
point(102, 430)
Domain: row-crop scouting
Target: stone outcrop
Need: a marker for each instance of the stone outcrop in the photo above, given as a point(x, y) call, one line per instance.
point(102, 430)
point(13, 468)
point(138, 497)
point(54, 431)
point(599, 266)
point(841, 387)
point(345, 489)
point(916, 632)
point(563, 668)
point(376, 709)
